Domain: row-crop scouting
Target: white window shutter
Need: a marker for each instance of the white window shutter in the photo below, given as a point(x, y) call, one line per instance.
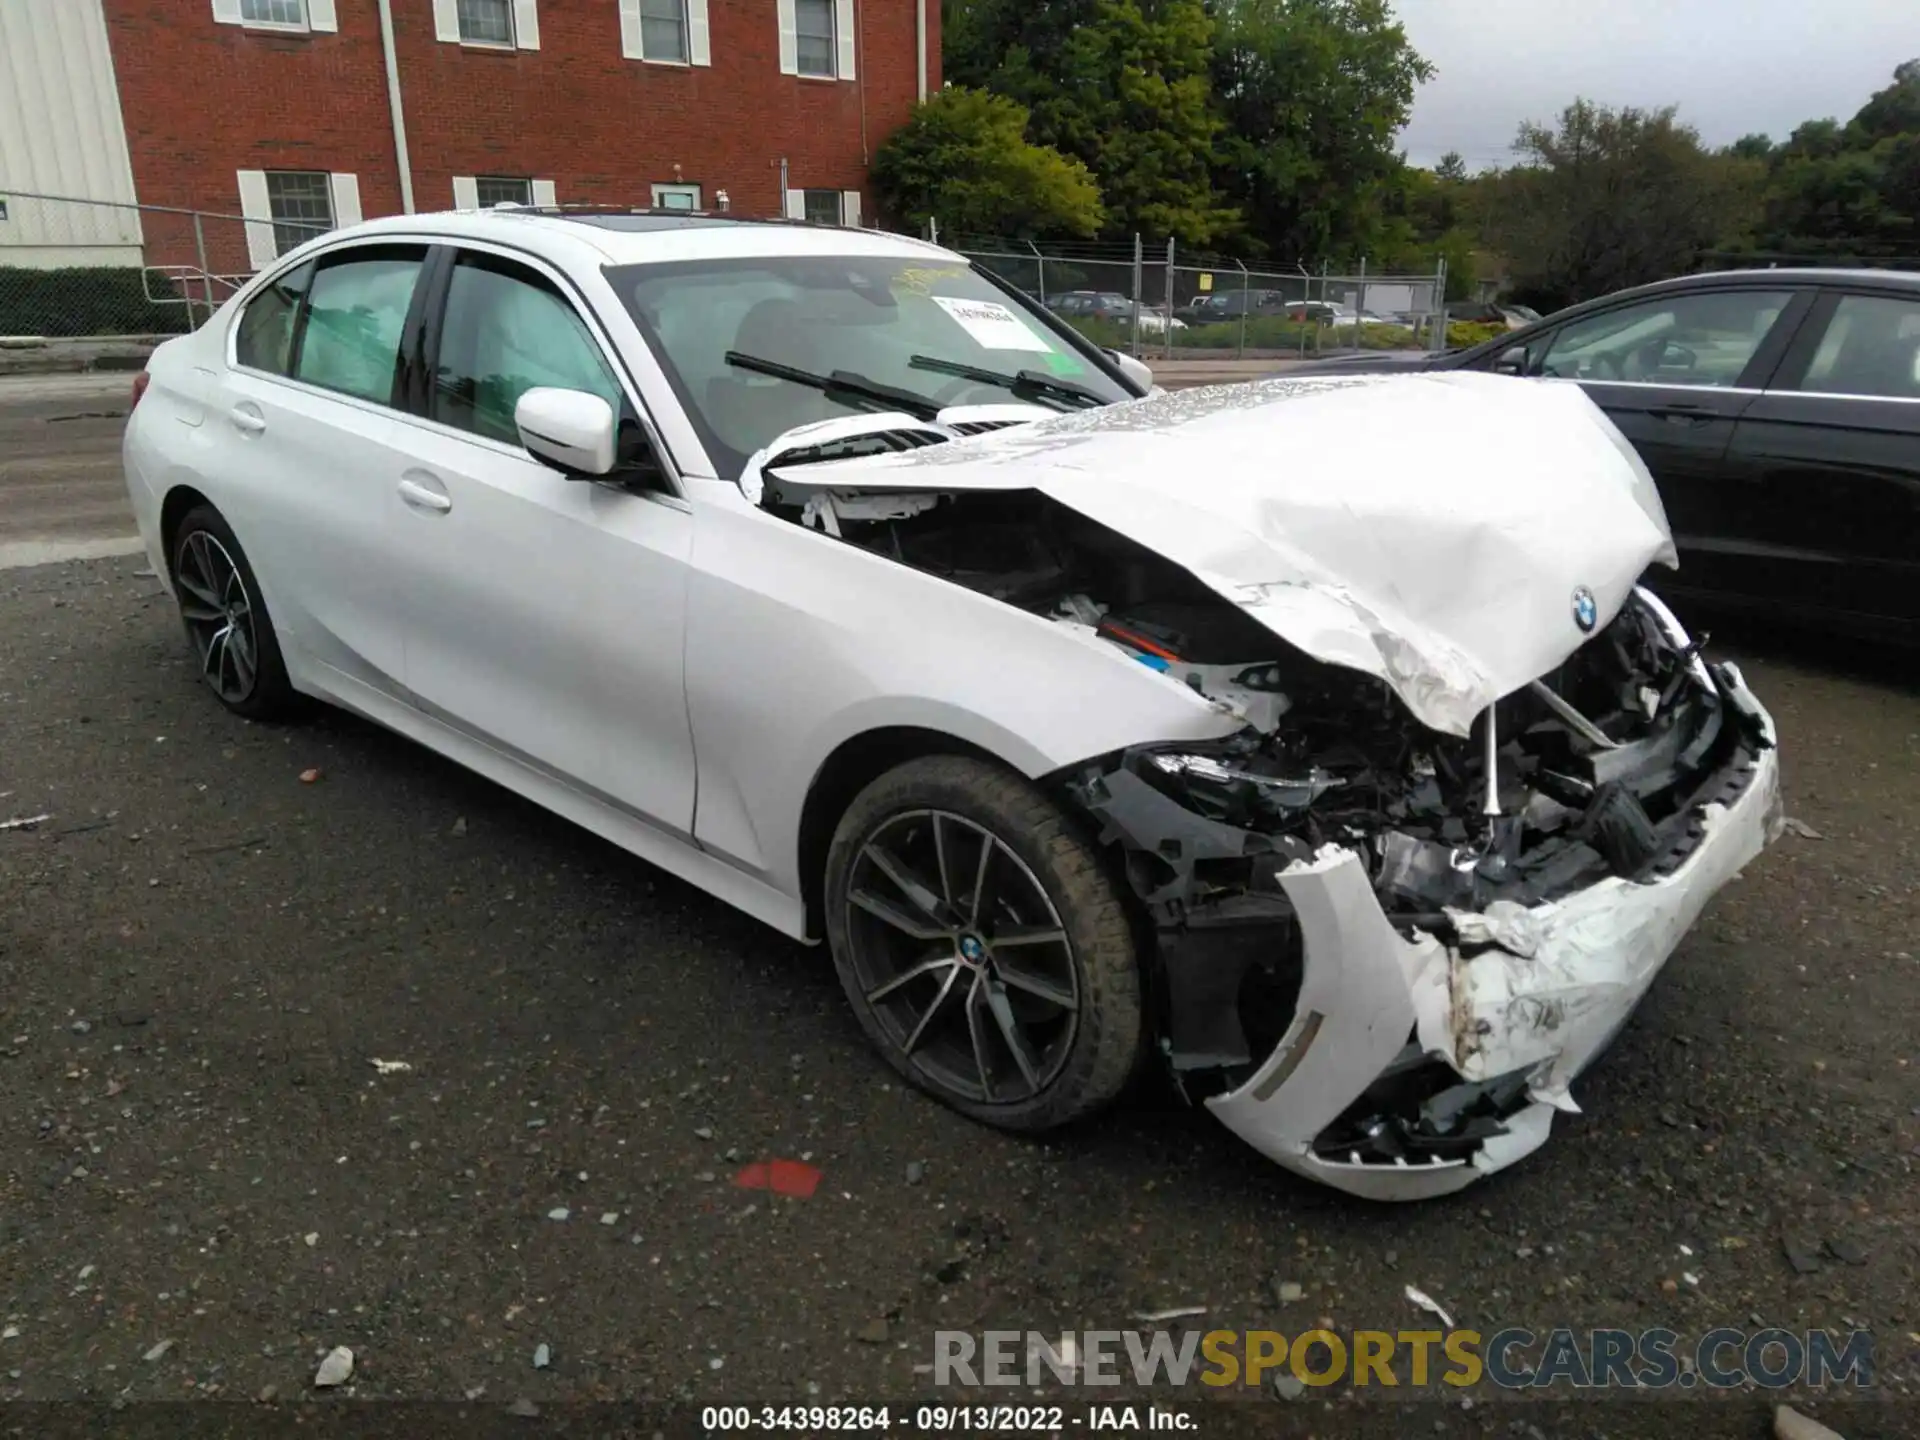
point(789, 38)
point(255, 205)
point(631, 43)
point(346, 198)
point(843, 30)
point(698, 51)
point(796, 204)
point(226, 12)
point(466, 193)
point(446, 21)
point(543, 194)
point(320, 15)
point(850, 208)
point(526, 24)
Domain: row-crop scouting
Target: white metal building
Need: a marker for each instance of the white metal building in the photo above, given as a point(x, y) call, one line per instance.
point(61, 134)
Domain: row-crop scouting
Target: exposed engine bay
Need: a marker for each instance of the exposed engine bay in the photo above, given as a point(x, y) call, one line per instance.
point(1600, 769)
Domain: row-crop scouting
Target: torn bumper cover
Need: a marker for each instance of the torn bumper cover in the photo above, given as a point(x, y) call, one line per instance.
point(1515, 1007)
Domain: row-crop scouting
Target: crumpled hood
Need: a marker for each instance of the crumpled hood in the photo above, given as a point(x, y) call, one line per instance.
point(1439, 531)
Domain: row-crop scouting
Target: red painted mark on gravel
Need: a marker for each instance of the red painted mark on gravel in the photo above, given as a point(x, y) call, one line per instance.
point(782, 1177)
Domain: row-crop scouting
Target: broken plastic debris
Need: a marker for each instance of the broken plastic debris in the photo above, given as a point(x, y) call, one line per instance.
point(24, 822)
point(309, 775)
point(782, 1177)
point(1179, 1312)
point(158, 1352)
point(1800, 828)
point(1427, 1303)
point(336, 1369)
point(392, 1067)
point(1790, 1424)
point(1503, 923)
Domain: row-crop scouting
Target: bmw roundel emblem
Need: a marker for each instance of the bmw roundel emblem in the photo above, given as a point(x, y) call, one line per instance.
point(1586, 610)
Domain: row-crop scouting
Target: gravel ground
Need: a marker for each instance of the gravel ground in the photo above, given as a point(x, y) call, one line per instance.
point(202, 957)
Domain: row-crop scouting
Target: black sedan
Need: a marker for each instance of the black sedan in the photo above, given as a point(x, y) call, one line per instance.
point(1779, 411)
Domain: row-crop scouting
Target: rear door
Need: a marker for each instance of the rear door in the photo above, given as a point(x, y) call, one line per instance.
point(1675, 372)
point(309, 433)
point(1826, 467)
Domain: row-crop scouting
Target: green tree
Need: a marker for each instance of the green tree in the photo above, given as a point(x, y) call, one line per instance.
point(1451, 168)
point(1607, 198)
point(1850, 191)
point(1121, 85)
point(1312, 93)
point(963, 159)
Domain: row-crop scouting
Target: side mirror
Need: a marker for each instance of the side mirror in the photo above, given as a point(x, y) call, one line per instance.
point(1138, 373)
point(1511, 362)
point(569, 429)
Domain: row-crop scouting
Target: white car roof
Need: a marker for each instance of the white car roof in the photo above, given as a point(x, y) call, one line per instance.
point(620, 238)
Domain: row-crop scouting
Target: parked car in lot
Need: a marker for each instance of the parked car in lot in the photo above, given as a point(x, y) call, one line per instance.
point(1779, 411)
point(1488, 312)
point(1224, 305)
point(826, 572)
point(1109, 305)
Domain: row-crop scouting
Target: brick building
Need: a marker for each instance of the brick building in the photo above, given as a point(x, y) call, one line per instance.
point(324, 111)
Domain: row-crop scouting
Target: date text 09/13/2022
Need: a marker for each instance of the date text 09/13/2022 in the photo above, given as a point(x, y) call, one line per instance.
point(944, 1419)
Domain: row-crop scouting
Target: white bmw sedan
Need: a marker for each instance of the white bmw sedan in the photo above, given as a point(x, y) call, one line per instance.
point(1242, 729)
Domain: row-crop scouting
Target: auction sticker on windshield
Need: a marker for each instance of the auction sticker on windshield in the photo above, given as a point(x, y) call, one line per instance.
point(992, 325)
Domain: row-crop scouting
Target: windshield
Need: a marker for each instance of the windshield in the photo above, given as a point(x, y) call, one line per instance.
point(877, 323)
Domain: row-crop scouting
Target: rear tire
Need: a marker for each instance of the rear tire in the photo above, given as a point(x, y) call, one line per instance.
point(983, 946)
point(226, 619)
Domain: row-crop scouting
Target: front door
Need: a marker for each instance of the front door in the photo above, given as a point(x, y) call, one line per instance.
point(1674, 372)
point(544, 614)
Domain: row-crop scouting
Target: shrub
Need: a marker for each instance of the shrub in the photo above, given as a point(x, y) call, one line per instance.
point(83, 300)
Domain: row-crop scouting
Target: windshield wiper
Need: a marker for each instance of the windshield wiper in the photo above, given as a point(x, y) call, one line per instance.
point(841, 385)
point(1024, 382)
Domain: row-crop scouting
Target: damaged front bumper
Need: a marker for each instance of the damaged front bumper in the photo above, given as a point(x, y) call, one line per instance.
point(1514, 1004)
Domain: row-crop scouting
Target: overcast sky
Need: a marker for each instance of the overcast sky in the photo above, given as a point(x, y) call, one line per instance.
point(1732, 66)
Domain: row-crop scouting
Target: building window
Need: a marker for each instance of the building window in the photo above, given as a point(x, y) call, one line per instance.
point(491, 190)
point(816, 48)
point(301, 204)
point(289, 13)
point(676, 197)
point(663, 30)
point(823, 207)
point(486, 22)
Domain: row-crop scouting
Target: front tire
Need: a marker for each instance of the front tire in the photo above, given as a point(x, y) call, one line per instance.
point(226, 618)
point(983, 946)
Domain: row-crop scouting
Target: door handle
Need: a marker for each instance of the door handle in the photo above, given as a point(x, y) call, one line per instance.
point(247, 420)
point(1683, 414)
point(424, 497)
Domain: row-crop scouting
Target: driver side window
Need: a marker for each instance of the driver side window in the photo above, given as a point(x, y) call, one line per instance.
point(1704, 339)
point(507, 331)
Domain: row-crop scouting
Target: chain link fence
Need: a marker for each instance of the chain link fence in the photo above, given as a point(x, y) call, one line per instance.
point(1157, 301)
point(73, 268)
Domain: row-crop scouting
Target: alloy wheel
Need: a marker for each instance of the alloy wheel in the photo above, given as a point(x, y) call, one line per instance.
point(219, 616)
point(962, 956)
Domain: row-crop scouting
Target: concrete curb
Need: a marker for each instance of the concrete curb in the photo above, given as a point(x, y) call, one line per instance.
point(54, 355)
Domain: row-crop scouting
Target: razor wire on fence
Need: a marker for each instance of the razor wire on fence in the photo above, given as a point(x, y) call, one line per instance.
point(1159, 301)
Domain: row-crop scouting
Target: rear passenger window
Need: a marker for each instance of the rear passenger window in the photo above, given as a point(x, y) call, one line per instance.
point(356, 310)
point(1872, 347)
point(506, 331)
point(264, 340)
